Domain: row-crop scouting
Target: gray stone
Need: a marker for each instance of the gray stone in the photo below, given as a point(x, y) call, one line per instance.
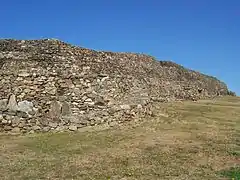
point(3, 104)
point(12, 103)
point(53, 125)
point(46, 129)
point(36, 128)
point(24, 74)
point(88, 100)
point(22, 114)
point(16, 130)
point(55, 109)
point(52, 91)
point(4, 121)
point(7, 128)
point(125, 107)
point(15, 121)
point(65, 109)
point(1, 117)
point(72, 128)
point(113, 123)
point(31, 132)
point(25, 106)
point(60, 129)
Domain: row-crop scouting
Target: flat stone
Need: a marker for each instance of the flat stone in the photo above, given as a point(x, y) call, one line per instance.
point(52, 91)
point(72, 128)
point(4, 121)
point(46, 129)
point(15, 121)
point(125, 107)
point(113, 123)
point(88, 100)
point(60, 129)
point(7, 128)
point(53, 125)
point(31, 132)
point(36, 128)
point(24, 74)
point(16, 130)
point(22, 114)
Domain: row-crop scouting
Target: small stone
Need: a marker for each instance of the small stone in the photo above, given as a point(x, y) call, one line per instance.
point(53, 125)
point(3, 104)
point(1, 117)
point(24, 74)
point(15, 121)
point(36, 128)
point(72, 128)
point(88, 100)
point(4, 121)
point(46, 129)
point(113, 123)
point(139, 106)
point(16, 130)
point(89, 103)
point(52, 91)
point(125, 107)
point(31, 132)
point(22, 114)
point(7, 128)
point(60, 129)
point(19, 79)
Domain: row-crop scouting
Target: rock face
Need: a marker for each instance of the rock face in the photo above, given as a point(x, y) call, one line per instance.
point(51, 85)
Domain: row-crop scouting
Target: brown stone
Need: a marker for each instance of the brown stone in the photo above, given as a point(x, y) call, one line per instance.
point(55, 110)
point(93, 87)
point(66, 110)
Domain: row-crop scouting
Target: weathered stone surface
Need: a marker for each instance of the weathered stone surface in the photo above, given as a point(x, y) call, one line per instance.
point(25, 106)
point(125, 107)
point(72, 87)
point(46, 129)
point(3, 104)
point(72, 128)
point(1, 117)
point(55, 110)
point(52, 125)
point(7, 128)
point(66, 110)
point(4, 121)
point(12, 103)
point(16, 130)
point(36, 128)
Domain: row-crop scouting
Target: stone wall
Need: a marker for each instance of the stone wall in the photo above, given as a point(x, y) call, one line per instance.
point(51, 85)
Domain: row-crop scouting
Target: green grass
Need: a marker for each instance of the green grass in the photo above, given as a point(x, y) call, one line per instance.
point(232, 173)
point(196, 140)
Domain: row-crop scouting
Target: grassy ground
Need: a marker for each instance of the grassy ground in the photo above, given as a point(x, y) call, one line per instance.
point(190, 140)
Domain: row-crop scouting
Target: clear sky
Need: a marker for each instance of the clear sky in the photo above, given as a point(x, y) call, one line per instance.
point(199, 34)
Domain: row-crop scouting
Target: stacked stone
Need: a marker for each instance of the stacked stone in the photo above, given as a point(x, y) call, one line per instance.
point(51, 85)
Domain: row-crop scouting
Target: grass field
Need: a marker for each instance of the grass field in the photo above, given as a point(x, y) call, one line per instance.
point(187, 140)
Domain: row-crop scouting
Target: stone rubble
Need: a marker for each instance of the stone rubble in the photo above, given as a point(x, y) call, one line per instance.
point(48, 85)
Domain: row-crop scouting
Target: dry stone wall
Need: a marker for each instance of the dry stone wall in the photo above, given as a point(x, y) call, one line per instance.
point(50, 85)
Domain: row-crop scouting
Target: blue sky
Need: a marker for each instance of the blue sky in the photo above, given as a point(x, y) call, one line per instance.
point(201, 35)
